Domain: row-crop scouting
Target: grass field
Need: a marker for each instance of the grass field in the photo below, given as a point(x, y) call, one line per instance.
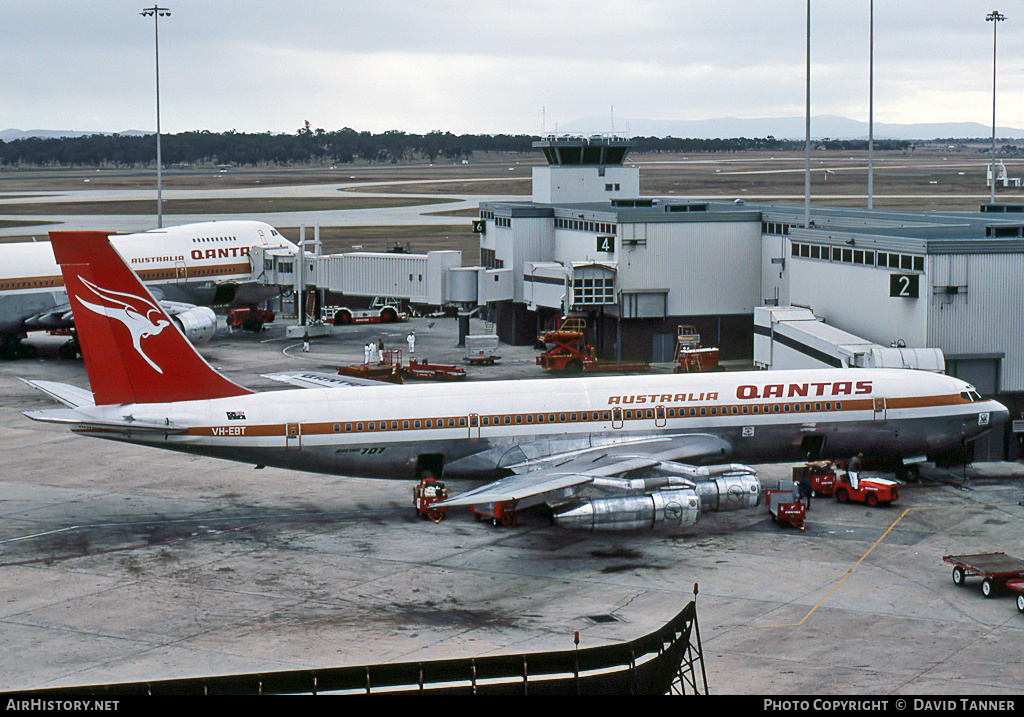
point(935, 178)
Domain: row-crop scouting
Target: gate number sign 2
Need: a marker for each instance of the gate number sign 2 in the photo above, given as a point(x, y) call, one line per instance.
point(904, 285)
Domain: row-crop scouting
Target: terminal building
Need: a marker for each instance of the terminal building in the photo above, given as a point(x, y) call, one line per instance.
point(588, 245)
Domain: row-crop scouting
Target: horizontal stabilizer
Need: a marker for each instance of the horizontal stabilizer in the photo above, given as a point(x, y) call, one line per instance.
point(71, 396)
point(84, 422)
point(311, 379)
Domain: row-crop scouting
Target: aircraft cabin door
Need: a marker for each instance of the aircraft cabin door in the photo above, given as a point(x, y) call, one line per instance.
point(879, 410)
point(474, 427)
point(616, 417)
point(292, 436)
point(180, 271)
point(659, 417)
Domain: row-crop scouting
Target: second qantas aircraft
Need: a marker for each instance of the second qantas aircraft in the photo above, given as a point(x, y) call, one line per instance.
point(184, 266)
point(603, 452)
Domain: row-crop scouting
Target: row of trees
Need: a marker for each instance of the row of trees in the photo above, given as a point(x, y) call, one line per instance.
point(316, 147)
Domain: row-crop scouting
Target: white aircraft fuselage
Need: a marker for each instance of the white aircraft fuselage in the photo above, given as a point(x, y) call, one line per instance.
point(183, 264)
point(479, 429)
point(611, 452)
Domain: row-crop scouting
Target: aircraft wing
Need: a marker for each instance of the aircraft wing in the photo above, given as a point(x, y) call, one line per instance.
point(60, 316)
point(519, 488)
point(312, 379)
point(660, 462)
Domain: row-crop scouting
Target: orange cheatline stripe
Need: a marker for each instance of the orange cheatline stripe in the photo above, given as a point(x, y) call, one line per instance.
point(327, 427)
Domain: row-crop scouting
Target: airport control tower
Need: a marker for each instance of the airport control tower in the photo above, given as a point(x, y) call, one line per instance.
point(584, 170)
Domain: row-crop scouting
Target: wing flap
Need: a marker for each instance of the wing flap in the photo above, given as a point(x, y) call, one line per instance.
point(517, 488)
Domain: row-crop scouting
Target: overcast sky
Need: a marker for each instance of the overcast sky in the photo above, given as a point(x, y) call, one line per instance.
point(491, 67)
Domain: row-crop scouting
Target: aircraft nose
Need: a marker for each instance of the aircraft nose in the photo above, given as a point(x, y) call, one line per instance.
point(999, 414)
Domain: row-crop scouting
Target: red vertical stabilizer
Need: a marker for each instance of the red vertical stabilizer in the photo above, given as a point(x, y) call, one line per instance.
point(133, 352)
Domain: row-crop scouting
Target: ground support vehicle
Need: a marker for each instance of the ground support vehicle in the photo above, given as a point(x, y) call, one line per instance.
point(567, 350)
point(425, 497)
point(691, 356)
point(480, 349)
point(422, 368)
point(373, 372)
point(821, 475)
point(498, 513)
point(249, 319)
point(392, 370)
point(871, 490)
point(786, 508)
point(380, 312)
point(994, 569)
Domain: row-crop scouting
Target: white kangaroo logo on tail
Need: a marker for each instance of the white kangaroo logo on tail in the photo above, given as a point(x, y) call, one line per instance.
point(140, 316)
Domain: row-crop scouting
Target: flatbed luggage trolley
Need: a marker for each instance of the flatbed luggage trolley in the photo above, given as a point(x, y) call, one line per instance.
point(994, 569)
point(786, 508)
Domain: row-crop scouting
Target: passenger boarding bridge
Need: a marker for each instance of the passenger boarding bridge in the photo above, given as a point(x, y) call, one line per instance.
point(435, 279)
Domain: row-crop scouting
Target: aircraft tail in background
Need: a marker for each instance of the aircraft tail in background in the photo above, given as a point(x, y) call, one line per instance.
point(134, 352)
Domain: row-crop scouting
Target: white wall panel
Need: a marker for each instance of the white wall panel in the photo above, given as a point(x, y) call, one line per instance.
point(984, 316)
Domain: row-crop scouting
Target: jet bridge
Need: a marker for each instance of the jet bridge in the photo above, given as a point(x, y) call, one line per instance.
point(436, 278)
point(789, 337)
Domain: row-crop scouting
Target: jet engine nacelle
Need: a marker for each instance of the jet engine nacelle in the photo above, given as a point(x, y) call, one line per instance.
point(667, 508)
point(729, 492)
point(198, 324)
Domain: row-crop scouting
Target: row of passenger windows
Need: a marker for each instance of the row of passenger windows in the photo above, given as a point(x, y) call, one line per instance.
point(618, 414)
point(27, 284)
point(904, 262)
point(209, 239)
point(151, 275)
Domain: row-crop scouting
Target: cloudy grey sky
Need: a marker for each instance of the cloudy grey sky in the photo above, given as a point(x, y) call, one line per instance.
point(516, 66)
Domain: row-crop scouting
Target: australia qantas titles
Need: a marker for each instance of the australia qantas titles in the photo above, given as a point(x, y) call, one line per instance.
point(749, 392)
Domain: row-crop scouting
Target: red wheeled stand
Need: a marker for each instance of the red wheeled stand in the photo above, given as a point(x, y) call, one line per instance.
point(425, 497)
point(498, 513)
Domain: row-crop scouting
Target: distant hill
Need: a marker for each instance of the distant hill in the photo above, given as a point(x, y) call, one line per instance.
point(830, 126)
point(8, 135)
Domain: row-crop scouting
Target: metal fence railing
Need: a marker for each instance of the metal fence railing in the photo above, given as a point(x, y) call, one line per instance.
point(668, 660)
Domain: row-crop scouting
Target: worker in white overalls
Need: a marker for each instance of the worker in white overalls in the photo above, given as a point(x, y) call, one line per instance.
point(411, 340)
point(853, 470)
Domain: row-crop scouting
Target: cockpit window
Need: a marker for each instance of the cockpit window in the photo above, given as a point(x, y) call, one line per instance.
point(970, 396)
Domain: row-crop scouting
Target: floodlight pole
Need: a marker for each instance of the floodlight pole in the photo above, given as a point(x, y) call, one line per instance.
point(871, 108)
point(807, 122)
point(157, 12)
point(995, 17)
